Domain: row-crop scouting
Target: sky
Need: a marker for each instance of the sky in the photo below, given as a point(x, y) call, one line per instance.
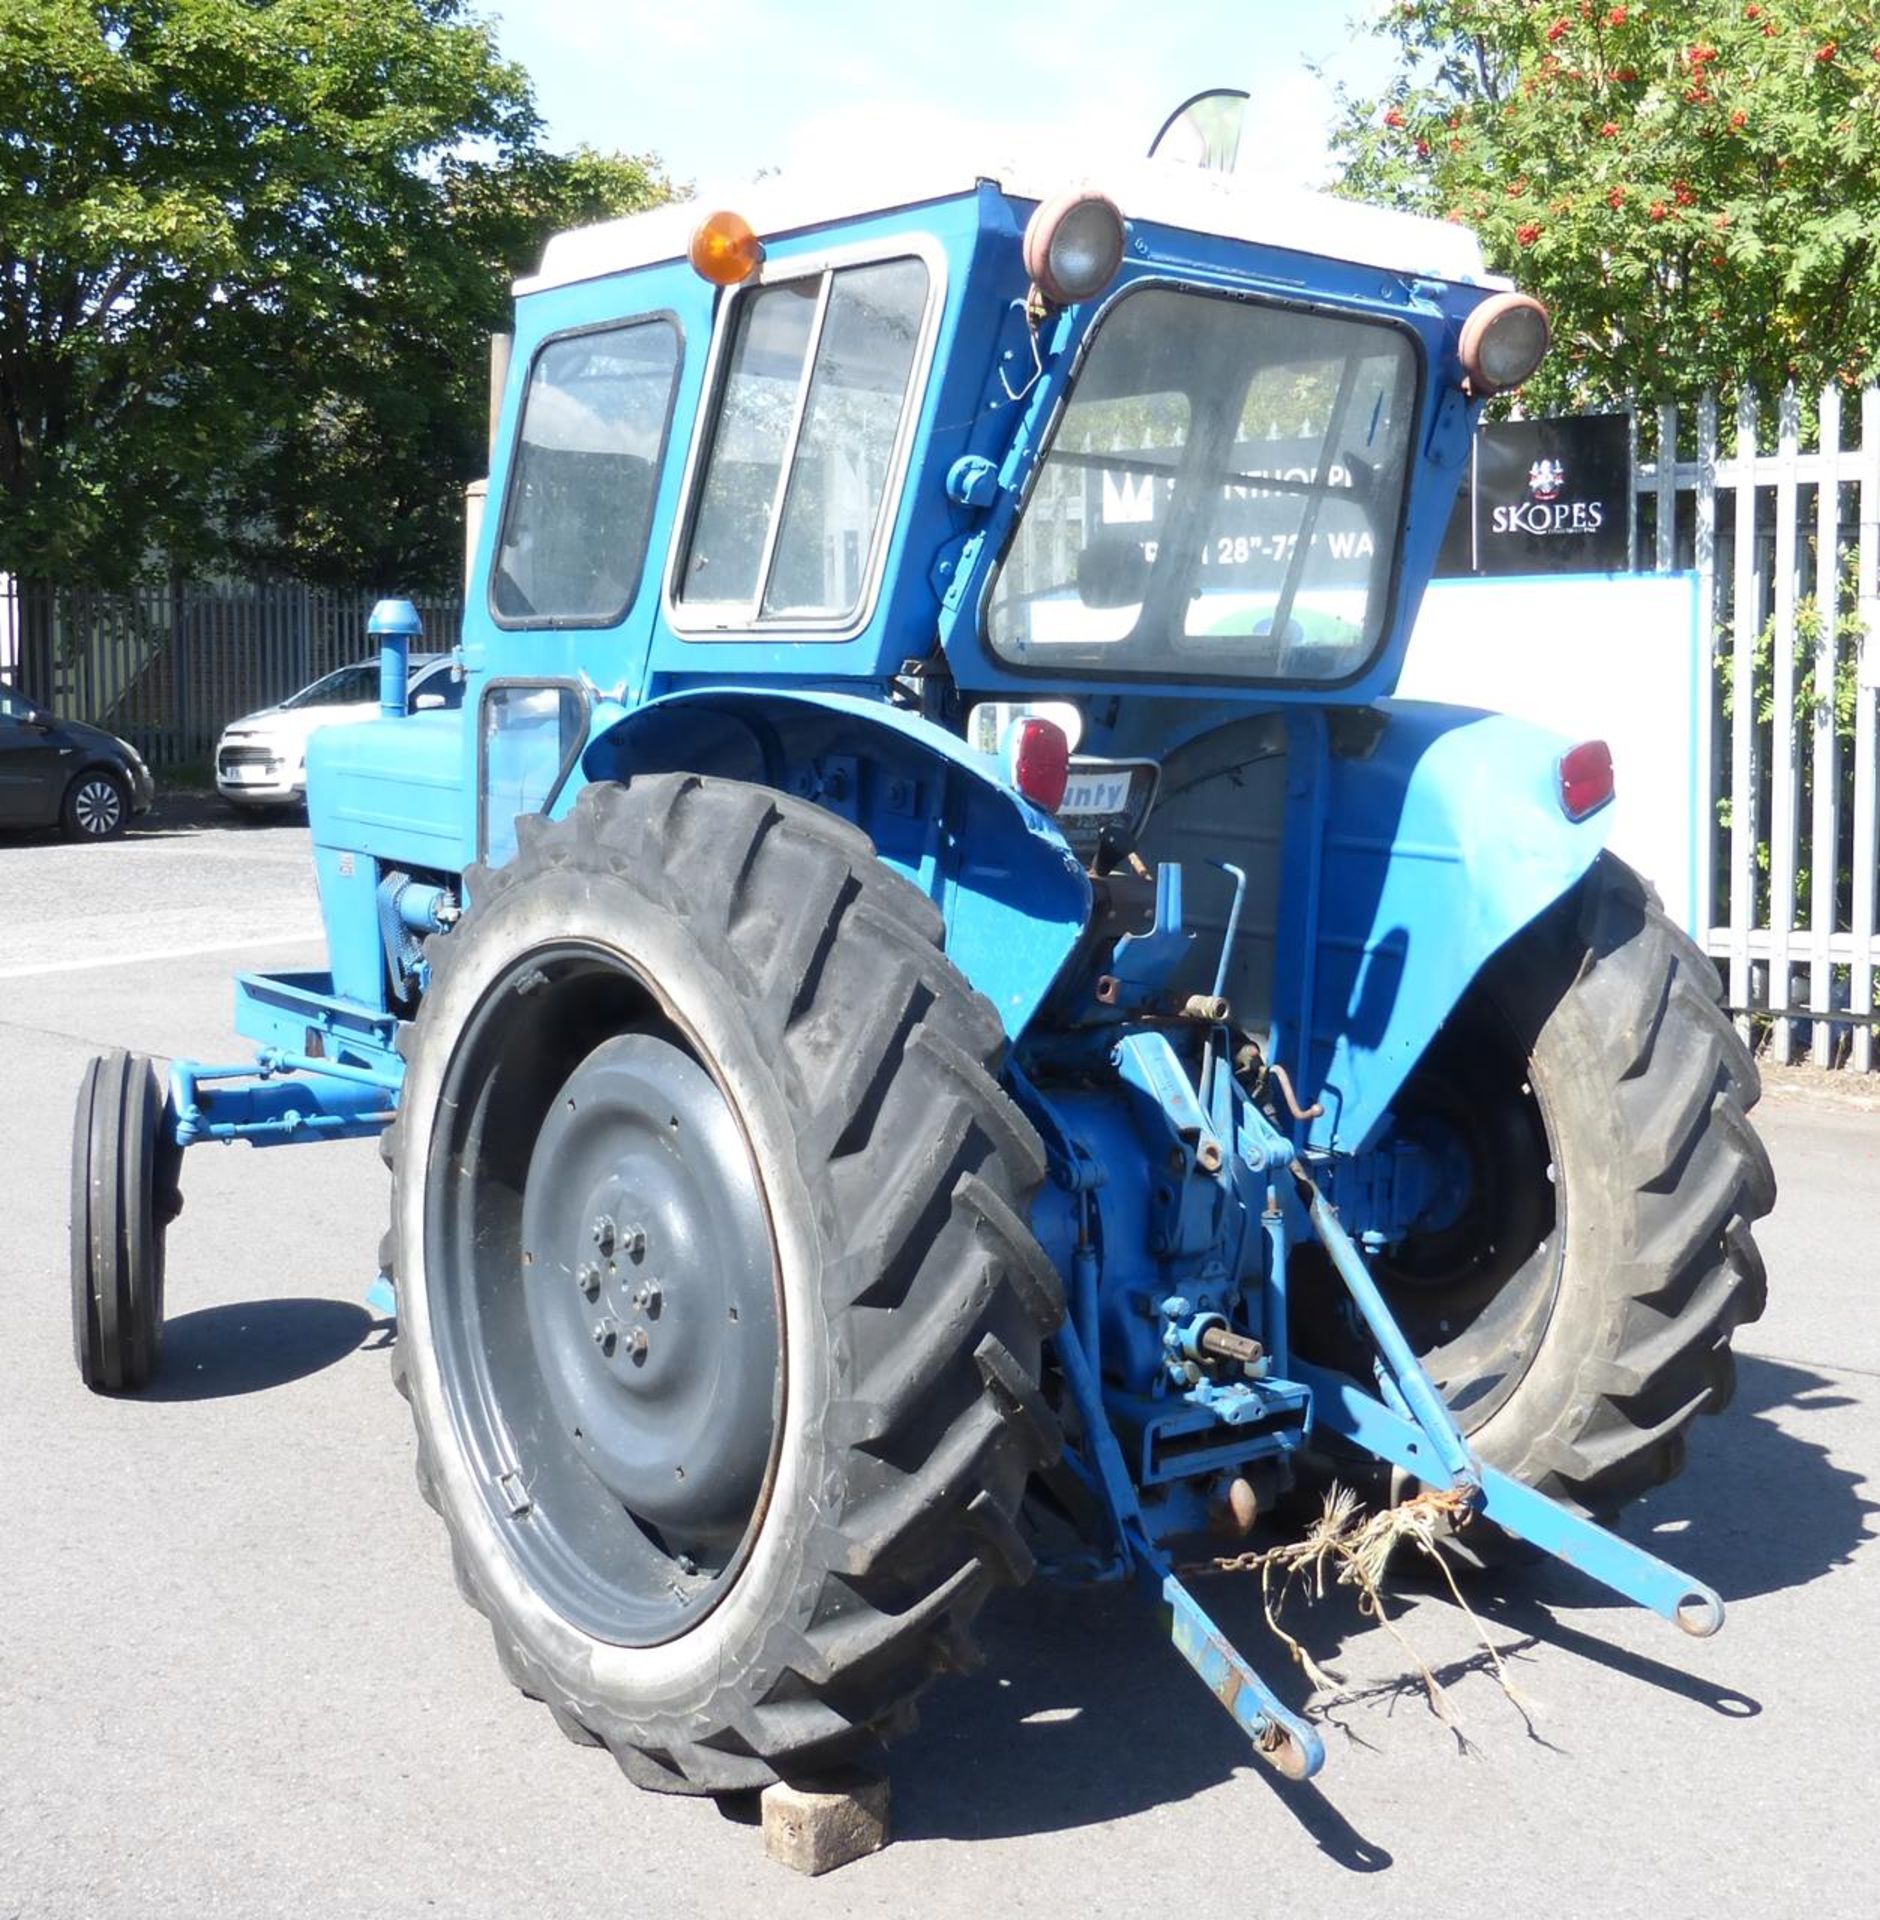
point(721, 89)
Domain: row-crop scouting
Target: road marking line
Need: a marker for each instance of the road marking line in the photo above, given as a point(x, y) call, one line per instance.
point(161, 953)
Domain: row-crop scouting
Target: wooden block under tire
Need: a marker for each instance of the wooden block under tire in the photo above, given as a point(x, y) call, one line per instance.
point(817, 1824)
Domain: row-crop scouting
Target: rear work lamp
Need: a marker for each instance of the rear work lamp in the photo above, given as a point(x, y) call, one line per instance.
point(1074, 245)
point(1503, 341)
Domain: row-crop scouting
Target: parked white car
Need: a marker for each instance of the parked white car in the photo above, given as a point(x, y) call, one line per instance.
point(261, 759)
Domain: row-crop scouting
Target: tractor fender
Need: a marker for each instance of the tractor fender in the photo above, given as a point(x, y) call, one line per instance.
point(1441, 842)
point(1015, 897)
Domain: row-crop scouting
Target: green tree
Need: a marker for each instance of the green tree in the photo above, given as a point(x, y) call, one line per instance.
point(363, 484)
point(1693, 186)
point(249, 250)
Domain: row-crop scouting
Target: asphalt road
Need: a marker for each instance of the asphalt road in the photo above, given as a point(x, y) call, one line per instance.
point(235, 1677)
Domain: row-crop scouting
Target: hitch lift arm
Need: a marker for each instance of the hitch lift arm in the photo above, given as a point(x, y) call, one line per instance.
point(1279, 1735)
point(1404, 1422)
point(1411, 1428)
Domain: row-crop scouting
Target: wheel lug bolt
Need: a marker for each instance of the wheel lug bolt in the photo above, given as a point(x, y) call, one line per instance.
point(647, 1298)
point(634, 1339)
point(588, 1279)
point(604, 1232)
point(606, 1333)
point(633, 1242)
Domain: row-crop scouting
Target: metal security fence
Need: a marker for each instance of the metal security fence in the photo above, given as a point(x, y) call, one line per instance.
point(166, 667)
point(1783, 528)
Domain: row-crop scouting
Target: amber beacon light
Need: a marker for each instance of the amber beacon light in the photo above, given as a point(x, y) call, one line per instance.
point(724, 249)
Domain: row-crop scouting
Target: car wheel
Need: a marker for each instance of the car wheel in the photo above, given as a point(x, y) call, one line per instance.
point(96, 807)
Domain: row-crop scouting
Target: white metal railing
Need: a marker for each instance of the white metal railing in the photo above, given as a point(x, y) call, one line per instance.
point(1780, 753)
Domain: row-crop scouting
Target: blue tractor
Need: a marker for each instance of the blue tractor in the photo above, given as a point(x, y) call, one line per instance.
point(930, 1017)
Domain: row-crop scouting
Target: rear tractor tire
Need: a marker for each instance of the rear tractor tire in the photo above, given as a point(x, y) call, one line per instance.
point(124, 1195)
point(1576, 1312)
point(719, 1316)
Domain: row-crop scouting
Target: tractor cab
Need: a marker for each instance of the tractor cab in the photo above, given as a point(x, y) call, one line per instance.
point(1177, 440)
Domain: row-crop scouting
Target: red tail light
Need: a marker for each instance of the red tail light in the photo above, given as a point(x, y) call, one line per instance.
point(1038, 758)
point(1585, 778)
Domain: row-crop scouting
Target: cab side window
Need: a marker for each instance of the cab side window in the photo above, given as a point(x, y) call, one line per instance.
point(583, 476)
point(791, 501)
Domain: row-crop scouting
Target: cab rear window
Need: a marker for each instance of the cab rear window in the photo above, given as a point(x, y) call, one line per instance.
point(1221, 498)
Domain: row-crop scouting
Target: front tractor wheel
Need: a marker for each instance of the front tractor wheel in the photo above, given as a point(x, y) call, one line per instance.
point(124, 1196)
point(1574, 1299)
point(718, 1312)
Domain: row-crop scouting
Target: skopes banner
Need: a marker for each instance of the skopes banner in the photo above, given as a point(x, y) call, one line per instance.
point(1545, 496)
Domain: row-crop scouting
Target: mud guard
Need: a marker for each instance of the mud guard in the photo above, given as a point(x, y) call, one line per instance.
point(1441, 841)
point(1015, 897)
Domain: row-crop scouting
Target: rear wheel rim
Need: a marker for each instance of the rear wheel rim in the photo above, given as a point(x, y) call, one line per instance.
point(97, 806)
point(1475, 1296)
point(603, 1297)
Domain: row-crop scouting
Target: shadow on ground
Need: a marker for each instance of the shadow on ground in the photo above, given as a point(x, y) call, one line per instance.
point(174, 816)
point(249, 1346)
point(1084, 1713)
point(193, 812)
point(1762, 1507)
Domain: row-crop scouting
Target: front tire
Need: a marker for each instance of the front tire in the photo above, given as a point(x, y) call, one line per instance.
point(733, 1539)
point(124, 1195)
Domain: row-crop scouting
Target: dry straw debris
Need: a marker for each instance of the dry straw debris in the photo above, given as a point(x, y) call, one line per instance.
point(1346, 1546)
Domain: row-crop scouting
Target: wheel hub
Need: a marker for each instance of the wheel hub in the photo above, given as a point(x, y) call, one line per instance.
point(649, 1280)
point(97, 806)
point(1474, 1282)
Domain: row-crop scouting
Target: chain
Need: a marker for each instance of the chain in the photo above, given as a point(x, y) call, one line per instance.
point(1249, 1562)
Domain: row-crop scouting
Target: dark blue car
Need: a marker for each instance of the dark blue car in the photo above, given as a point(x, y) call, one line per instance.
point(66, 774)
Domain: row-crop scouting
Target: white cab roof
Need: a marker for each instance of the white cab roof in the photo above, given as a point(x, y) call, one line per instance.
point(1164, 192)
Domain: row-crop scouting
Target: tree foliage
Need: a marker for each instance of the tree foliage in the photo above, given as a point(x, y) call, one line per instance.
point(249, 254)
point(1693, 186)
